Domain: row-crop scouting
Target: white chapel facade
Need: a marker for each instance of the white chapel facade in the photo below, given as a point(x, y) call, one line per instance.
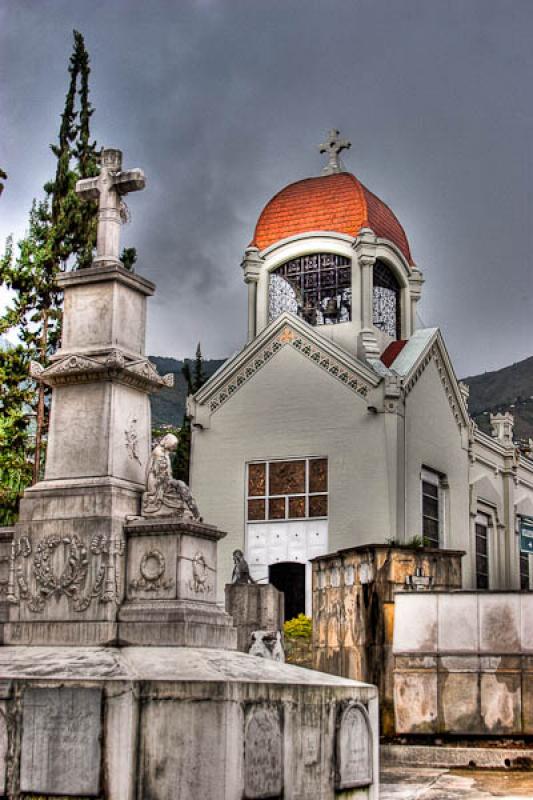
point(340, 423)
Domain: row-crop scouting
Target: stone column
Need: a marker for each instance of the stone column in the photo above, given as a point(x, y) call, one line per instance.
point(365, 248)
point(251, 266)
point(416, 281)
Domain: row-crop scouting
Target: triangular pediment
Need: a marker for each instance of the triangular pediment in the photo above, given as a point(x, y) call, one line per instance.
point(289, 331)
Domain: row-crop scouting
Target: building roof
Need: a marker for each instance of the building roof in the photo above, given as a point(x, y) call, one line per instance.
point(337, 202)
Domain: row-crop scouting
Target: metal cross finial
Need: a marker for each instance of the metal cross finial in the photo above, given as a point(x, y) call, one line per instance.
point(333, 146)
point(108, 188)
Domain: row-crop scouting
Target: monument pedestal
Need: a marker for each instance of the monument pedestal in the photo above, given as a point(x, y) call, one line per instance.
point(170, 596)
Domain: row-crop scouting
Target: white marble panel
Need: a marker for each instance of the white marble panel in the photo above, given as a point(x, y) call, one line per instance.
point(415, 623)
point(458, 629)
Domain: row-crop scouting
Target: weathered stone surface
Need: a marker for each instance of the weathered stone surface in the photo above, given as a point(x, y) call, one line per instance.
point(4, 741)
point(499, 623)
point(484, 682)
point(415, 702)
point(61, 741)
point(415, 632)
point(263, 754)
point(354, 748)
point(460, 702)
point(458, 630)
point(253, 607)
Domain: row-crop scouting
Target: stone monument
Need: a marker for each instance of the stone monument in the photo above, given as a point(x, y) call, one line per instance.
point(119, 678)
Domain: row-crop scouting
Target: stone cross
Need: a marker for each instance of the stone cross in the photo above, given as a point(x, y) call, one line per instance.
point(333, 146)
point(108, 188)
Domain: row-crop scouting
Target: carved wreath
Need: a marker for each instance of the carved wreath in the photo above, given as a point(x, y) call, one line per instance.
point(152, 569)
point(72, 579)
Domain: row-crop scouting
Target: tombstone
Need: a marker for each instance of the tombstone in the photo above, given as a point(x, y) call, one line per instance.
point(354, 748)
point(263, 754)
point(61, 741)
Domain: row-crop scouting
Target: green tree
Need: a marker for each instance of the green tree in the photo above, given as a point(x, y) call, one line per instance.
point(195, 378)
point(3, 177)
point(61, 233)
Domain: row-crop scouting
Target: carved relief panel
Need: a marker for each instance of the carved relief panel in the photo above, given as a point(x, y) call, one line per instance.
point(197, 569)
point(152, 567)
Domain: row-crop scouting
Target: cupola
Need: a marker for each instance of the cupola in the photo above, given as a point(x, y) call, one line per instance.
point(329, 250)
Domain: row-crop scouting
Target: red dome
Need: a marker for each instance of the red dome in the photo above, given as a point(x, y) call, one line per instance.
point(337, 202)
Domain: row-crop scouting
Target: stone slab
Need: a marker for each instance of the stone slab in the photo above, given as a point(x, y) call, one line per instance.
point(412, 755)
point(499, 623)
point(61, 752)
point(354, 748)
point(415, 623)
point(263, 754)
point(458, 623)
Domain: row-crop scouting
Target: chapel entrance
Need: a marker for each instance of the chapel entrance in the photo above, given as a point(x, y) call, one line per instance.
point(289, 577)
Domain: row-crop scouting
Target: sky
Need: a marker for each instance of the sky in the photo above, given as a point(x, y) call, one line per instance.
point(223, 102)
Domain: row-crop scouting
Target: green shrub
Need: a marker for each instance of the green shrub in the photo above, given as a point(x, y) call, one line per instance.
point(300, 627)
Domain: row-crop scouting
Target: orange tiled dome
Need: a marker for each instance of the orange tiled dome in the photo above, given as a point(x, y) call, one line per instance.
point(337, 202)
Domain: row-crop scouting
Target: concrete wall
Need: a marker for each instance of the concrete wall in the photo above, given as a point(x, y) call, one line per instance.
point(463, 663)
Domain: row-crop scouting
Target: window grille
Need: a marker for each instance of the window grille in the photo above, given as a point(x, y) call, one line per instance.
point(281, 490)
point(318, 288)
point(386, 301)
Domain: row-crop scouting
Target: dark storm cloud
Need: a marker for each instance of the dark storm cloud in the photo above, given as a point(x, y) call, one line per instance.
point(223, 103)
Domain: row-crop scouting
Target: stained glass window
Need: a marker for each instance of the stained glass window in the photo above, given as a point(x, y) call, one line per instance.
point(317, 287)
point(386, 300)
point(294, 489)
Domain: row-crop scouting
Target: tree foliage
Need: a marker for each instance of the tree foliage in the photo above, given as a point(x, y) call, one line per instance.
point(195, 378)
point(61, 232)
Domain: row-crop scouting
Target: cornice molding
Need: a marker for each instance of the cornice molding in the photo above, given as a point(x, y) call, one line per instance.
point(78, 368)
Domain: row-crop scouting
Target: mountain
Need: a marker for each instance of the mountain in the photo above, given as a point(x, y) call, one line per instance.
point(168, 405)
point(506, 389)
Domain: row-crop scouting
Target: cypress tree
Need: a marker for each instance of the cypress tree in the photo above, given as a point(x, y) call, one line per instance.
point(194, 379)
point(61, 230)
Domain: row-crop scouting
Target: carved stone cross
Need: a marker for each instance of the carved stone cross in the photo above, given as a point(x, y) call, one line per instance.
point(333, 146)
point(108, 188)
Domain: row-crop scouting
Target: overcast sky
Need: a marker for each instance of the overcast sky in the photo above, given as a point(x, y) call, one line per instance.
point(222, 103)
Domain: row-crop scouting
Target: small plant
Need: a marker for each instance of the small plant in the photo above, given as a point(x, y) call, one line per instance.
point(300, 627)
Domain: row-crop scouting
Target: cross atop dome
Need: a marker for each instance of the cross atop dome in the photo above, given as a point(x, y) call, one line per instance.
point(333, 146)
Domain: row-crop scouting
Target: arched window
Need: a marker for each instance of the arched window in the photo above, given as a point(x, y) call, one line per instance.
point(317, 287)
point(386, 301)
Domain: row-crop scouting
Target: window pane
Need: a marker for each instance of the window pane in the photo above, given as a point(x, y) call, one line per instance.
point(318, 475)
point(256, 480)
point(524, 571)
point(286, 477)
point(296, 507)
point(430, 507)
point(430, 531)
point(318, 505)
point(430, 489)
point(276, 508)
point(256, 509)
